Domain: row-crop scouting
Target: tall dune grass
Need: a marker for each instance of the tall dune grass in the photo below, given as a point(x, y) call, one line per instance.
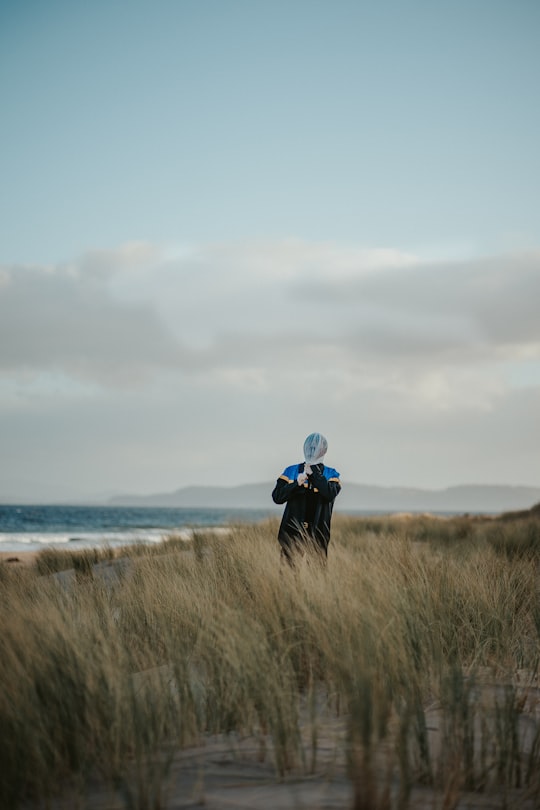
point(414, 623)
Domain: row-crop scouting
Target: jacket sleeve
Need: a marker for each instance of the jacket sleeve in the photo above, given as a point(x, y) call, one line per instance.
point(284, 489)
point(328, 489)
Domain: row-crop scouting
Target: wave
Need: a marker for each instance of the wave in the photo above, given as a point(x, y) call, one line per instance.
point(33, 541)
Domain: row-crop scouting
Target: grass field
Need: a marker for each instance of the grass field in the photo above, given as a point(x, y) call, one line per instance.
point(422, 634)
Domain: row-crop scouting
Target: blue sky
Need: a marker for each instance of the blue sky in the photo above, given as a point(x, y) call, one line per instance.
point(184, 180)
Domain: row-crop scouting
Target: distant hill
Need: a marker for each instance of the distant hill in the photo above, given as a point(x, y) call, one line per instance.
point(354, 497)
point(533, 512)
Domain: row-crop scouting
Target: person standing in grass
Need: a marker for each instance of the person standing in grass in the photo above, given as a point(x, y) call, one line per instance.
point(309, 490)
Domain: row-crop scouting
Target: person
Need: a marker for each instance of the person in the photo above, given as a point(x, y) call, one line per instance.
point(309, 490)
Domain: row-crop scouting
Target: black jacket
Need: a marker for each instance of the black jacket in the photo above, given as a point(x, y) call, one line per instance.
point(308, 509)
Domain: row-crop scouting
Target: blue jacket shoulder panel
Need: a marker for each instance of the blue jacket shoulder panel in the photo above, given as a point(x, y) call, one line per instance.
point(291, 473)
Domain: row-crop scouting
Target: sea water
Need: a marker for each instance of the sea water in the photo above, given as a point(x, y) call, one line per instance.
point(34, 527)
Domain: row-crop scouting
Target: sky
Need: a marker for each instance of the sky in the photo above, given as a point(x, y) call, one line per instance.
point(225, 224)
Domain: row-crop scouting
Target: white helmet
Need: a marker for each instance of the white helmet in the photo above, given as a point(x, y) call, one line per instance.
point(315, 447)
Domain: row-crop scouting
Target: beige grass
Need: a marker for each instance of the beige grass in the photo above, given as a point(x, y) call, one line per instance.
point(414, 621)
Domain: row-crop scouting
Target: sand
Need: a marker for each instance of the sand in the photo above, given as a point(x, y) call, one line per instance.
point(18, 557)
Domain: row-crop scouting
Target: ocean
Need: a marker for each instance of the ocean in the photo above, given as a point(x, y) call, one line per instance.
point(34, 527)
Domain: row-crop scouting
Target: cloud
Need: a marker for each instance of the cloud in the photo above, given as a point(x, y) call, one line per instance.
point(145, 368)
point(490, 300)
point(264, 316)
point(120, 316)
point(63, 319)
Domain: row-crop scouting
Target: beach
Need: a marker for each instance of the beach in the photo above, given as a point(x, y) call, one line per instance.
point(18, 557)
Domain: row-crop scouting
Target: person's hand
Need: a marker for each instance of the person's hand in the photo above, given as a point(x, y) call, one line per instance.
point(301, 480)
point(307, 469)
